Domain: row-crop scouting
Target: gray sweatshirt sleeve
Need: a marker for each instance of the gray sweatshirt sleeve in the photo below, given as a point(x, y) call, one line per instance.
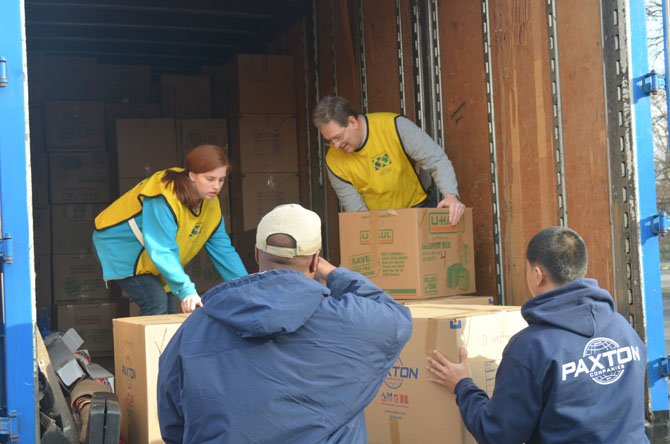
point(428, 155)
point(349, 198)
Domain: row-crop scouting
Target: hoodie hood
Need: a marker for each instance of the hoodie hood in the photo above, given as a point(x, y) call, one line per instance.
point(266, 304)
point(580, 306)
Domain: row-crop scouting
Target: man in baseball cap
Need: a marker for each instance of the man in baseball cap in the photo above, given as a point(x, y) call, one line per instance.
point(293, 353)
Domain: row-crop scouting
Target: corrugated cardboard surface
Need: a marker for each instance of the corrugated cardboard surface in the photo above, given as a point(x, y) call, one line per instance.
point(93, 322)
point(70, 78)
point(78, 278)
point(145, 146)
point(186, 96)
point(72, 228)
point(138, 344)
point(42, 230)
point(124, 83)
point(264, 143)
point(411, 253)
point(409, 408)
point(75, 125)
point(453, 300)
point(195, 132)
point(79, 177)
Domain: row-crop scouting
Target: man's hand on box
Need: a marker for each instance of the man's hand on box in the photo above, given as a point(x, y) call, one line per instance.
point(447, 373)
point(190, 303)
point(455, 207)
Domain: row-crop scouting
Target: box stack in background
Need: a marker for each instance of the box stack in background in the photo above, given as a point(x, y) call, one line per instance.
point(256, 93)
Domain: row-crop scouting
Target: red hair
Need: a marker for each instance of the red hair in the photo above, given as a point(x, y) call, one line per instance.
point(201, 159)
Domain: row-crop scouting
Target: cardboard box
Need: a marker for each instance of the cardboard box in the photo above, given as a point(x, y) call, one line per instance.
point(409, 408)
point(186, 96)
point(145, 146)
point(75, 126)
point(79, 177)
point(78, 278)
point(452, 300)
point(138, 343)
point(37, 129)
point(39, 173)
point(124, 83)
point(43, 295)
point(114, 111)
point(70, 78)
point(254, 195)
point(42, 231)
point(263, 143)
point(411, 253)
point(195, 132)
point(202, 272)
point(245, 245)
point(255, 84)
point(72, 227)
point(93, 322)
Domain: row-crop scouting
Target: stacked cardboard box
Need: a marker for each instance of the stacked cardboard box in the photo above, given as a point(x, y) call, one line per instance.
point(410, 408)
point(256, 94)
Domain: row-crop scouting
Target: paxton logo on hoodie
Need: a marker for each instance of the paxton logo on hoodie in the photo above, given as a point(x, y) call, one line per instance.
point(603, 360)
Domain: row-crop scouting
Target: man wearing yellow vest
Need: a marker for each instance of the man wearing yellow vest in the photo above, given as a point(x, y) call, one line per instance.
point(372, 157)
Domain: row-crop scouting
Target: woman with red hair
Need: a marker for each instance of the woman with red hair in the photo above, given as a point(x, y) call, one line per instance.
point(146, 237)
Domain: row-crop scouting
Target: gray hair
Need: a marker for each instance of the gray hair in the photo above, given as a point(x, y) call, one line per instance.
point(333, 109)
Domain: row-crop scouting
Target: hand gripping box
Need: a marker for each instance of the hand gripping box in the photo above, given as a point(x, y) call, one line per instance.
point(411, 253)
point(409, 408)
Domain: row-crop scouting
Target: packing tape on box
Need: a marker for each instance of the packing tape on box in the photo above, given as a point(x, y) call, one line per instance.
point(431, 336)
point(373, 237)
point(394, 429)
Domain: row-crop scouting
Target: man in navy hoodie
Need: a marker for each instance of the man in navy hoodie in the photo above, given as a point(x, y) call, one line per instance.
point(292, 354)
point(576, 374)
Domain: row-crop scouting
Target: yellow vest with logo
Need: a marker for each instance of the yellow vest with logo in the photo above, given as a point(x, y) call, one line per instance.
point(193, 227)
point(380, 170)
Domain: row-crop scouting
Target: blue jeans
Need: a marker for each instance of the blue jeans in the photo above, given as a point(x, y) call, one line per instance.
point(146, 290)
point(431, 200)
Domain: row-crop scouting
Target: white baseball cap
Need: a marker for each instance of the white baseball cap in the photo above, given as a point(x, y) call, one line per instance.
point(300, 223)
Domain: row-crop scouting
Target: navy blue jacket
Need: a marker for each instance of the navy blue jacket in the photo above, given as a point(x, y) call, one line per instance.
point(576, 374)
point(276, 357)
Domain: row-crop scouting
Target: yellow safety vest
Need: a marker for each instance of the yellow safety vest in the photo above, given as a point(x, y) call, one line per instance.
point(193, 227)
point(380, 170)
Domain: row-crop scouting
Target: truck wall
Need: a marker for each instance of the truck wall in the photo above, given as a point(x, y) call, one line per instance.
point(528, 169)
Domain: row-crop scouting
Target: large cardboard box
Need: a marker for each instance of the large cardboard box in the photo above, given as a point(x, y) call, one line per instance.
point(78, 278)
point(145, 146)
point(72, 228)
point(70, 78)
point(124, 83)
point(138, 343)
point(263, 143)
point(93, 322)
point(254, 195)
point(409, 408)
point(114, 111)
point(186, 96)
point(42, 231)
point(411, 253)
point(195, 132)
point(43, 297)
point(255, 84)
point(39, 171)
point(79, 177)
point(453, 300)
point(75, 126)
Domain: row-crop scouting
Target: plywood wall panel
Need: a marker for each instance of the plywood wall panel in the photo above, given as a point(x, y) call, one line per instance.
point(526, 165)
point(465, 124)
point(584, 136)
point(381, 56)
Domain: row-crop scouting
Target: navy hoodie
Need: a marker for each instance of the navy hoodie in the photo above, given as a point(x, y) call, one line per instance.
point(576, 374)
point(276, 357)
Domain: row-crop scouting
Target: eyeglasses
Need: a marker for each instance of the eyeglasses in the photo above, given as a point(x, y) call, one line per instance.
point(337, 139)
